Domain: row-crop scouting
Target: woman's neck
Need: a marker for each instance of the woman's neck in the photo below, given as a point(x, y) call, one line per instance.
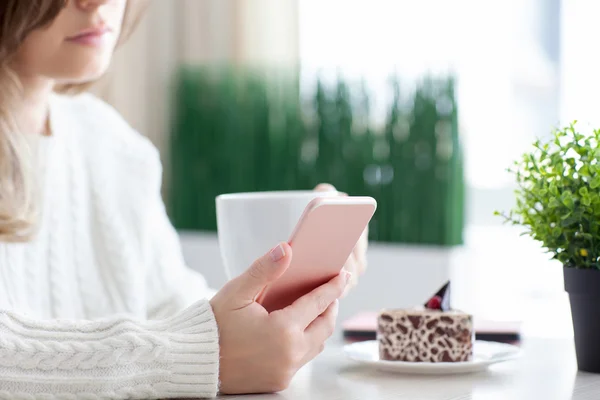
point(32, 113)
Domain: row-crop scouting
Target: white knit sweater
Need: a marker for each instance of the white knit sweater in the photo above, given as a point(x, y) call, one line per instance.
point(100, 304)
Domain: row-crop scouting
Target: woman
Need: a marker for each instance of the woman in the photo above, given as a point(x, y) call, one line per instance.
point(95, 300)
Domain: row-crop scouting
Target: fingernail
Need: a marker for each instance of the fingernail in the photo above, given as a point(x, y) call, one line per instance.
point(347, 276)
point(277, 253)
point(335, 304)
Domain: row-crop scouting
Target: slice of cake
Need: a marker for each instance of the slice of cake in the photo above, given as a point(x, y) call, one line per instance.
point(433, 333)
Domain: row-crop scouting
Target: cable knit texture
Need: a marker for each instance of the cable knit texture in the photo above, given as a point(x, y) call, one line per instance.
point(100, 305)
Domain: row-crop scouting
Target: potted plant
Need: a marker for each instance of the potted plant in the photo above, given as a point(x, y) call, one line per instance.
point(558, 201)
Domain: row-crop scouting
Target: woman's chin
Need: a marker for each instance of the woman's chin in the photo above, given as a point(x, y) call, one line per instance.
point(81, 69)
point(81, 76)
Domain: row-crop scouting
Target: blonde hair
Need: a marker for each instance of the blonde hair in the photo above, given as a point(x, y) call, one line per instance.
point(18, 199)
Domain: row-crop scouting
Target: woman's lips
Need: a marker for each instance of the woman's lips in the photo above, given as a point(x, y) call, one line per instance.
point(92, 37)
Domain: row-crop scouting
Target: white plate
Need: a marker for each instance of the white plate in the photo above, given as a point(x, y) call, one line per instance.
point(484, 355)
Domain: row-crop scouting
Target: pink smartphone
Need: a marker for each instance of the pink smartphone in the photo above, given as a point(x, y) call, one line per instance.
point(322, 241)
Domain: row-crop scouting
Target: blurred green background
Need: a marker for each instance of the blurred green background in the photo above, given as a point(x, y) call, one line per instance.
point(246, 129)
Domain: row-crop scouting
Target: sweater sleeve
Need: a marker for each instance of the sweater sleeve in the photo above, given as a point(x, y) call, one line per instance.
point(114, 358)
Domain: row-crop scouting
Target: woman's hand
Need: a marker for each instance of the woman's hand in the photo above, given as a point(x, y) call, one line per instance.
point(261, 352)
point(357, 262)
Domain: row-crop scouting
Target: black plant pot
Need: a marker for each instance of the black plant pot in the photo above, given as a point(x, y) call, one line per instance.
point(583, 286)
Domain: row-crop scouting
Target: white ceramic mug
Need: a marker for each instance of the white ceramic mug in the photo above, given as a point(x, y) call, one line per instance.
point(250, 224)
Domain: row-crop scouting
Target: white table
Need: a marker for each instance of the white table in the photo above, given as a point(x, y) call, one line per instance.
point(547, 370)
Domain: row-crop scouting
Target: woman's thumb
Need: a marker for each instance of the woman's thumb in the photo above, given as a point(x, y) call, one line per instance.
point(263, 271)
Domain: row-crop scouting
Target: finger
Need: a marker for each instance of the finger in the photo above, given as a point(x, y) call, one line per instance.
point(363, 241)
point(323, 326)
point(325, 187)
point(308, 307)
point(320, 330)
point(360, 251)
point(263, 271)
point(360, 260)
point(352, 266)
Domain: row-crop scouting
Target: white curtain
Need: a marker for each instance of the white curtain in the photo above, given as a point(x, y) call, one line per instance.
point(200, 31)
point(580, 62)
point(490, 45)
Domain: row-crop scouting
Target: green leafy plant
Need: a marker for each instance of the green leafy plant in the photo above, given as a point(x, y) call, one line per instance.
point(558, 198)
point(250, 129)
